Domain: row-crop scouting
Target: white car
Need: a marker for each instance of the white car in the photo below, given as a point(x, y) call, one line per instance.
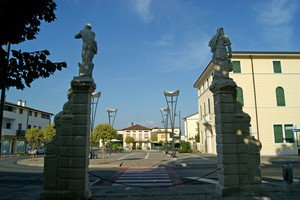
point(37, 151)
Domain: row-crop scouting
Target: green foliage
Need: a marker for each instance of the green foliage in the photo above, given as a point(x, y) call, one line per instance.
point(154, 138)
point(119, 137)
point(185, 147)
point(20, 25)
point(34, 136)
point(129, 139)
point(103, 131)
point(49, 132)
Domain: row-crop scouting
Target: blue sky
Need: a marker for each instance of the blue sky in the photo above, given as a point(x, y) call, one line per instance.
point(150, 46)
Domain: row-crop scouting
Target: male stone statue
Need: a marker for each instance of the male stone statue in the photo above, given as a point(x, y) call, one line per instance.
point(221, 48)
point(89, 49)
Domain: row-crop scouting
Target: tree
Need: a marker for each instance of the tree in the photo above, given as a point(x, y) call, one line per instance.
point(154, 138)
point(20, 25)
point(21, 21)
point(49, 132)
point(104, 132)
point(129, 139)
point(34, 136)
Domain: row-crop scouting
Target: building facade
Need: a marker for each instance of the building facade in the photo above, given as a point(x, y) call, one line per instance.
point(268, 90)
point(142, 136)
point(191, 130)
point(17, 118)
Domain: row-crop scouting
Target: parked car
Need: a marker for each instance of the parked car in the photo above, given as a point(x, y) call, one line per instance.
point(37, 150)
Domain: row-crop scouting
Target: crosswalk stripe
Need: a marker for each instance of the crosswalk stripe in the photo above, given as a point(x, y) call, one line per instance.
point(144, 177)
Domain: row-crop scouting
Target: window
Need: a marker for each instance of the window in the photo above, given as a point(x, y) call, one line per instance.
point(208, 105)
point(8, 126)
point(204, 109)
point(35, 114)
point(200, 112)
point(21, 111)
point(240, 96)
point(280, 96)
point(278, 134)
point(289, 134)
point(19, 126)
point(285, 135)
point(207, 83)
point(236, 66)
point(30, 113)
point(277, 66)
point(29, 126)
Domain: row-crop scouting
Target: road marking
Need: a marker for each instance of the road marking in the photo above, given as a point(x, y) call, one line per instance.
point(147, 156)
point(126, 156)
point(144, 177)
point(206, 180)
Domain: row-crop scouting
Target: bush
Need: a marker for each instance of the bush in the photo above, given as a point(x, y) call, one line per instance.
point(184, 150)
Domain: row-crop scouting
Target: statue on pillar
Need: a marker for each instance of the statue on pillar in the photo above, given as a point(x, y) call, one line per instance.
point(89, 49)
point(221, 47)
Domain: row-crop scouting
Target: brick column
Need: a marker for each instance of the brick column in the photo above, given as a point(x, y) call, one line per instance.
point(82, 87)
point(232, 129)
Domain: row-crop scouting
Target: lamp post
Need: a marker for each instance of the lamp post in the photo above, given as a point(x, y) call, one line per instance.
point(94, 103)
point(171, 99)
point(111, 114)
point(164, 114)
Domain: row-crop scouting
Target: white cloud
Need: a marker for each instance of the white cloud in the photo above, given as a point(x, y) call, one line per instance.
point(142, 7)
point(275, 18)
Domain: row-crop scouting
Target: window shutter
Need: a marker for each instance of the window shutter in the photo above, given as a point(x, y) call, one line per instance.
point(277, 66)
point(280, 96)
point(278, 134)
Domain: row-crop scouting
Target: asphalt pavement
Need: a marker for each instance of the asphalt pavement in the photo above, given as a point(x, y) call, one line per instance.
point(271, 190)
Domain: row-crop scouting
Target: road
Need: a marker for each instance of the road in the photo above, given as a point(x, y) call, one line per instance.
point(133, 169)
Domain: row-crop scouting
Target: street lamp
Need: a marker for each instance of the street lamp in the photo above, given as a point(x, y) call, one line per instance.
point(171, 99)
point(165, 122)
point(94, 103)
point(111, 114)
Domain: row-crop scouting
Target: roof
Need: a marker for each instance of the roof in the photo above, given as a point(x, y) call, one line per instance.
point(28, 108)
point(190, 115)
point(136, 127)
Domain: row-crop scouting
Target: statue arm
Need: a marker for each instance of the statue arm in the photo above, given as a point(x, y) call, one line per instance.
point(78, 36)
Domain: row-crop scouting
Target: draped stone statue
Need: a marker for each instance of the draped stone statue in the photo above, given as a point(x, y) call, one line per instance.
point(89, 49)
point(221, 47)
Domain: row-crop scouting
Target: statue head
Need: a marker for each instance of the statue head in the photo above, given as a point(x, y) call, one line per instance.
point(220, 30)
point(88, 26)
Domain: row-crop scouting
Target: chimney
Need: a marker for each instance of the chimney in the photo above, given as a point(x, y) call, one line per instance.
point(19, 102)
point(24, 103)
point(131, 123)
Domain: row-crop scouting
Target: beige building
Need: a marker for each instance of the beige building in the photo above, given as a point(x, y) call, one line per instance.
point(269, 92)
point(191, 130)
point(140, 134)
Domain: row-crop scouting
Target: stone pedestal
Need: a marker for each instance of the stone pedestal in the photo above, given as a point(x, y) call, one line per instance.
point(238, 153)
point(67, 156)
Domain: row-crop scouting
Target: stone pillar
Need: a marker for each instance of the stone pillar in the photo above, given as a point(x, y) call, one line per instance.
point(232, 129)
point(78, 181)
point(67, 155)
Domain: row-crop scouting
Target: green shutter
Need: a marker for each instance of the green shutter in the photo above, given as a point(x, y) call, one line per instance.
point(236, 66)
point(240, 96)
point(280, 96)
point(277, 66)
point(289, 134)
point(278, 134)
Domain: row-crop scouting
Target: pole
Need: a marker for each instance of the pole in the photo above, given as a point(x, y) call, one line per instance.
point(3, 88)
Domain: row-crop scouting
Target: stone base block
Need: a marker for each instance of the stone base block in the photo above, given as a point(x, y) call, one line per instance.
point(225, 191)
point(64, 195)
